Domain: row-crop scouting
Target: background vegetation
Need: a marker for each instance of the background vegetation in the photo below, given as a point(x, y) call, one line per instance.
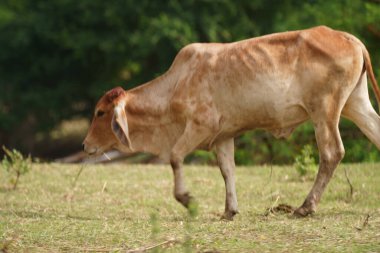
point(58, 57)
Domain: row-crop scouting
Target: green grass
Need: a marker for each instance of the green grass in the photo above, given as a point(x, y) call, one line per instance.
point(116, 208)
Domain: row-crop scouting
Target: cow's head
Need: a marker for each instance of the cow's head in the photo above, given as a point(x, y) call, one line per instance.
point(109, 127)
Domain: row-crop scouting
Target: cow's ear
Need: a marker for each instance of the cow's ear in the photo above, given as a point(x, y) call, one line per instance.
point(114, 93)
point(119, 125)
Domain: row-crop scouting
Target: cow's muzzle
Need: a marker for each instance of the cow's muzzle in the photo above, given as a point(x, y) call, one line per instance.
point(89, 150)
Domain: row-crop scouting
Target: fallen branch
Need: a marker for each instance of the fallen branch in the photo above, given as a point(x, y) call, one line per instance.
point(144, 249)
point(84, 249)
point(139, 250)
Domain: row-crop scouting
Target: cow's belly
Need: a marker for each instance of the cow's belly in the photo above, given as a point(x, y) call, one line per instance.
point(280, 123)
point(277, 108)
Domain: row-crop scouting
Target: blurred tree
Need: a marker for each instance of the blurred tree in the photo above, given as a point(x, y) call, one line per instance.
point(58, 57)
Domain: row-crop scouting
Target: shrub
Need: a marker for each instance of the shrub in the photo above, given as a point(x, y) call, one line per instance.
point(16, 165)
point(305, 163)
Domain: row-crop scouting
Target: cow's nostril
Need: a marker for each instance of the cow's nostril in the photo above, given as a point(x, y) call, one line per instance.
point(83, 146)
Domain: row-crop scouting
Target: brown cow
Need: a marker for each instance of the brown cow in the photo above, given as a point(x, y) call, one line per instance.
point(213, 92)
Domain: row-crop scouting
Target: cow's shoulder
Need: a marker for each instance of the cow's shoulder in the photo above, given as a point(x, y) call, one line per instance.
point(188, 51)
point(197, 53)
point(326, 42)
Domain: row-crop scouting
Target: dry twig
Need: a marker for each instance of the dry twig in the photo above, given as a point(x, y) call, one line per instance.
point(349, 183)
point(106, 156)
point(365, 223)
point(70, 195)
point(271, 171)
point(77, 176)
point(270, 209)
point(104, 186)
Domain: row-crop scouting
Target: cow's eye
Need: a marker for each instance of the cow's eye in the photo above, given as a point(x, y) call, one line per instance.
point(99, 113)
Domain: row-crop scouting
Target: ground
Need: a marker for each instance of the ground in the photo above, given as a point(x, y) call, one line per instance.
point(119, 208)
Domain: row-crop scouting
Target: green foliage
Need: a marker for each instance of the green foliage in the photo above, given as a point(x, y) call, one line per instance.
point(58, 57)
point(305, 163)
point(155, 225)
point(201, 157)
point(259, 147)
point(15, 165)
point(193, 211)
point(155, 229)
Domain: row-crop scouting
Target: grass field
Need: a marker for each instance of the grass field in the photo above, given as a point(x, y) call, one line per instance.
point(119, 208)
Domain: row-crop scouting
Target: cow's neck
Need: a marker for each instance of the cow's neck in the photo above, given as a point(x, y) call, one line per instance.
point(152, 97)
point(151, 127)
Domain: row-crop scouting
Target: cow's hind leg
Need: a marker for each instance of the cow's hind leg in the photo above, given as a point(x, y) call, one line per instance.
point(331, 152)
point(226, 162)
point(359, 109)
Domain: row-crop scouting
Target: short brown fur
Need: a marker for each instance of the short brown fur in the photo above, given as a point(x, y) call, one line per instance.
point(213, 92)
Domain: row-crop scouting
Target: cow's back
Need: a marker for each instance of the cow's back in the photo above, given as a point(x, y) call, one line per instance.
point(265, 82)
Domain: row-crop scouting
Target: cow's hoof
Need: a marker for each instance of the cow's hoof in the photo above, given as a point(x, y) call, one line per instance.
point(185, 199)
point(229, 215)
point(302, 212)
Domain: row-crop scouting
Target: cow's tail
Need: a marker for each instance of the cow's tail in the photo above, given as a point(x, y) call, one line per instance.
point(371, 75)
point(367, 67)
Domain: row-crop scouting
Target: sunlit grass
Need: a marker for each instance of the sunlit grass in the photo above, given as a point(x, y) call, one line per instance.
point(110, 208)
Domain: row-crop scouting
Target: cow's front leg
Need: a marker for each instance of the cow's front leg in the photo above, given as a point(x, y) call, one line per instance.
point(193, 135)
point(226, 161)
point(180, 191)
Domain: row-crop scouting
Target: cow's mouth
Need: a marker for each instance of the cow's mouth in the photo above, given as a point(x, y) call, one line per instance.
point(91, 151)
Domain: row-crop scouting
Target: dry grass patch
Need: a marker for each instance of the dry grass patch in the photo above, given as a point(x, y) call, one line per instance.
point(116, 208)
